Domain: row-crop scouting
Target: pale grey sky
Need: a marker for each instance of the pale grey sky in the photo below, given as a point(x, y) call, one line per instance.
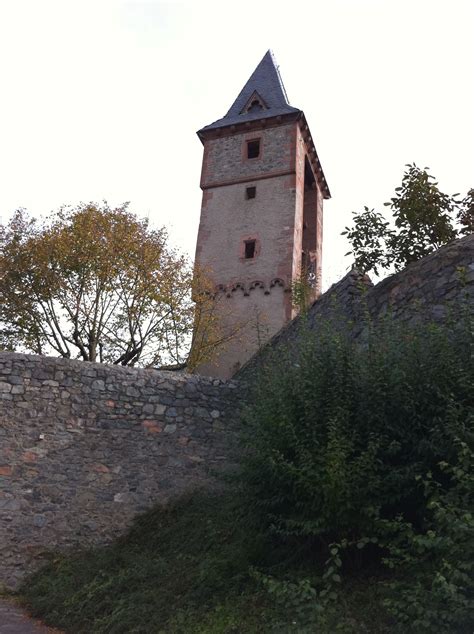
point(101, 99)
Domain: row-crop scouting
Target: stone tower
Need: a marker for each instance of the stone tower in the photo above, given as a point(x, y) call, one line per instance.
point(261, 216)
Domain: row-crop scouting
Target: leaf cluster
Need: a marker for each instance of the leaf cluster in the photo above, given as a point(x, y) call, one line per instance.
point(424, 218)
point(436, 563)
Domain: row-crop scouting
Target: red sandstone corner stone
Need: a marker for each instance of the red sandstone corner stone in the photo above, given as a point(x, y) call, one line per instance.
point(6, 470)
point(100, 468)
point(29, 456)
point(152, 426)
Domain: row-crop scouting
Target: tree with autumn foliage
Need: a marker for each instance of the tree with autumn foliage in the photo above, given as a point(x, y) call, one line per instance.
point(99, 284)
point(424, 218)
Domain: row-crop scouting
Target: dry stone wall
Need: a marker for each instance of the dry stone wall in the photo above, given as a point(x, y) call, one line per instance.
point(84, 447)
point(433, 289)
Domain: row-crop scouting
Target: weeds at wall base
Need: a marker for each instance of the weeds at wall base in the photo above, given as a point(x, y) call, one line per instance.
point(188, 568)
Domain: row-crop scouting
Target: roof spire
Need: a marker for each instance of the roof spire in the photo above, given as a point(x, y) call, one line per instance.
point(262, 96)
point(277, 68)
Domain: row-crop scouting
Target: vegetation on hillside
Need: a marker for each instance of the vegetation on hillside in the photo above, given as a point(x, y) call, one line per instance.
point(424, 218)
point(191, 567)
point(352, 511)
point(362, 456)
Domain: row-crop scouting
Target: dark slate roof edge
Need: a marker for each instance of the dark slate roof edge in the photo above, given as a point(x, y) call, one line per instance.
point(236, 120)
point(280, 79)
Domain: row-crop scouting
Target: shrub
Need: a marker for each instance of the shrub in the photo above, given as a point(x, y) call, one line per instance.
point(343, 440)
point(434, 590)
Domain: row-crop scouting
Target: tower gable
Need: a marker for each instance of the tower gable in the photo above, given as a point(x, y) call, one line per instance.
point(254, 104)
point(267, 83)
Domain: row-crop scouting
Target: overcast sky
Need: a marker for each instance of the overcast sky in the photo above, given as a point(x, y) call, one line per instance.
point(101, 100)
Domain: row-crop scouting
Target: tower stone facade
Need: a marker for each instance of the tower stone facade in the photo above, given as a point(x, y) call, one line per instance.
point(262, 214)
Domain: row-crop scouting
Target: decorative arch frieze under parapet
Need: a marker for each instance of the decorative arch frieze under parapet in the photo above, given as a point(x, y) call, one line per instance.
point(256, 284)
point(277, 281)
point(238, 286)
point(246, 288)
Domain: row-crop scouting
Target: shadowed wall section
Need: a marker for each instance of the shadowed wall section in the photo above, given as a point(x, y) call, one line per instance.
point(85, 447)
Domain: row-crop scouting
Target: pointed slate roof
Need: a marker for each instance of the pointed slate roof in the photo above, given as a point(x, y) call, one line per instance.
point(265, 82)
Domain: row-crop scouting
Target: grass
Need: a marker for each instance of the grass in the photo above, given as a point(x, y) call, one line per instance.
point(186, 569)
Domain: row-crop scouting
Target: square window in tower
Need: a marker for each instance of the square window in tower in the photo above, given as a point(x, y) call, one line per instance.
point(253, 148)
point(250, 192)
point(250, 249)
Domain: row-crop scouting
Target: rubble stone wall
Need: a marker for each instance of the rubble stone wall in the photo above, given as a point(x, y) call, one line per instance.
point(84, 447)
point(435, 288)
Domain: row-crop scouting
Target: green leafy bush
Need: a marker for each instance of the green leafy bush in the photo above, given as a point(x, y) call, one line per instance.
point(342, 440)
point(434, 589)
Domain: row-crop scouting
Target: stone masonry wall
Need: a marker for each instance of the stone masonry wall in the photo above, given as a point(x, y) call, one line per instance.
point(427, 290)
point(225, 160)
point(84, 447)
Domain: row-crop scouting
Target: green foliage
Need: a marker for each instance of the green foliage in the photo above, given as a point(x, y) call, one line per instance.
point(96, 283)
point(192, 567)
point(308, 601)
point(342, 438)
point(424, 219)
point(299, 598)
point(301, 294)
point(465, 213)
point(434, 590)
point(99, 284)
point(369, 238)
point(186, 557)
